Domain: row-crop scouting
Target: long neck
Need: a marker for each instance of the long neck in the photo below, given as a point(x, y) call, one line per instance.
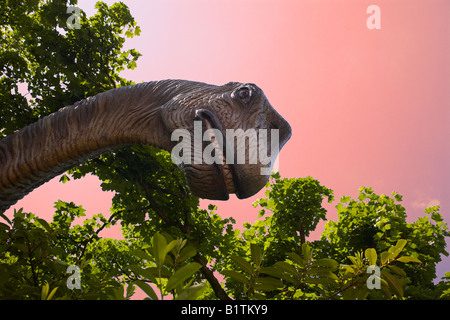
point(47, 148)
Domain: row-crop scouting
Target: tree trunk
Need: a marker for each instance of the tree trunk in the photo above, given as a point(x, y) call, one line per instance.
point(302, 232)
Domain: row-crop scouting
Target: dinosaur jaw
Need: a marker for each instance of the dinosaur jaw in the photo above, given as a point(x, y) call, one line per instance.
point(224, 174)
point(227, 175)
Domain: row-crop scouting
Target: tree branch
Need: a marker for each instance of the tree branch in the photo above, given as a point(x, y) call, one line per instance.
point(209, 275)
point(186, 229)
point(85, 244)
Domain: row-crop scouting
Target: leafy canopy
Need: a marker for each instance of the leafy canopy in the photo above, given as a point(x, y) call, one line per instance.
point(55, 65)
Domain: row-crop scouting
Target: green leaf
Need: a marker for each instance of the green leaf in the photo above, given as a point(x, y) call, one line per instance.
point(272, 271)
point(141, 254)
point(145, 273)
point(407, 259)
point(19, 213)
point(44, 291)
point(256, 254)
point(147, 289)
point(191, 293)
point(323, 281)
point(179, 245)
point(64, 178)
point(118, 293)
point(159, 249)
point(397, 196)
point(131, 288)
point(371, 255)
point(182, 274)
point(359, 293)
point(268, 284)
point(132, 65)
point(45, 224)
point(322, 273)
point(186, 253)
point(326, 262)
point(349, 270)
point(258, 296)
point(397, 270)
point(296, 258)
point(280, 274)
point(306, 251)
point(5, 217)
point(395, 284)
point(356, 261)
point(286, 267)
point(236, 276)
point(21, 246)
point(50, 296)
point(243, 264)
point(157, 272)
point(362, 197)
point(398, 248)
point(385, 255)
point(171, 245)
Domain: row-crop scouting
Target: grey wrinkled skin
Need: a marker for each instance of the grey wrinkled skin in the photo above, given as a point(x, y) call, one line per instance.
point(144, 113)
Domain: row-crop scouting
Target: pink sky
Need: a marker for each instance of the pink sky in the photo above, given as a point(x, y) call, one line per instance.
point(367, 107)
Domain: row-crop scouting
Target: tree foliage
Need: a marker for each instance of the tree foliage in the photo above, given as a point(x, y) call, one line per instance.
point(378, 221)
point(56, 65)
point(171, 248)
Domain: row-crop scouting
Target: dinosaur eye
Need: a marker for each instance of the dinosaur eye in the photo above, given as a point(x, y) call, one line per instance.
point(244, 94)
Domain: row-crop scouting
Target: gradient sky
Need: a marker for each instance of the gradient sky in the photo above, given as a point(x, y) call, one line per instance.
point(367, 107)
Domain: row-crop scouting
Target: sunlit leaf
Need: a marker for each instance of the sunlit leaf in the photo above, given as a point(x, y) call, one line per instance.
point(395, 284)
point(147, 289)
point(296, 258)
point(186, 253)
point(236, 276)
point(306, 251)
point(268, 284)
point(397, 248)
point(159, 248)
point(385, 255)
point(407, 259)
point(326, 262)
point(182, 274)
point(286, 267)
point(256, 254)
point(371, 255)
point(243, 264)
point(191, 293)
point(397, 270)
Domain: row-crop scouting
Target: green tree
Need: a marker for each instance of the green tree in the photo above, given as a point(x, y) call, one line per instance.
point(36, 255)
point(296, 208)
point(370, 221)
point(379, 221)
point(58, 65)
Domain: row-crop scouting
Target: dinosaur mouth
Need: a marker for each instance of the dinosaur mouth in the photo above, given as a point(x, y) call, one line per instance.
point(226, 171)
